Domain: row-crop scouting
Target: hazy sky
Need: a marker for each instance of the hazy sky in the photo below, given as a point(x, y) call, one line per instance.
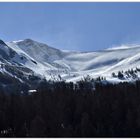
point(72, 26)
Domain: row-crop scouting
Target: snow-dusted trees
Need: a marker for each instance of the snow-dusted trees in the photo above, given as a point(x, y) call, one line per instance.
point(120, 75)
point(114, 75)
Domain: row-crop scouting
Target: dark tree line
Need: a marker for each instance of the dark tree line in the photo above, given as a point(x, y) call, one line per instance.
point(72, 110)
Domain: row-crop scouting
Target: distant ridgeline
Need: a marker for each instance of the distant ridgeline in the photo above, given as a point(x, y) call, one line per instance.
point(19, 59)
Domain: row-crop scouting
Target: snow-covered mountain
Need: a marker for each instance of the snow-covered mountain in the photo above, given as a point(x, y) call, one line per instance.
point(31, 57)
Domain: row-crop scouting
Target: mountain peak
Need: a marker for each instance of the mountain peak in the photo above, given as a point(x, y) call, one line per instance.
point(28, 40)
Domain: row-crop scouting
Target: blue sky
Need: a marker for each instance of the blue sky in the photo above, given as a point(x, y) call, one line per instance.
point(72, 26)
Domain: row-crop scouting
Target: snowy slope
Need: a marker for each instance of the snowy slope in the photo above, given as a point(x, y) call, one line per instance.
point(72, 66)
point(13, 64)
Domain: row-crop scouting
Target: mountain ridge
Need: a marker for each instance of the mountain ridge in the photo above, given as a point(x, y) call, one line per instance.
point(71, 66)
